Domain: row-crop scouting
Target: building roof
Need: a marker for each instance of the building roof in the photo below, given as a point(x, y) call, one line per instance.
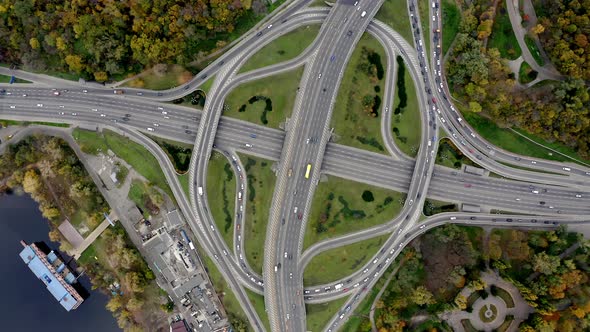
point(55, 287)
point(178, 326)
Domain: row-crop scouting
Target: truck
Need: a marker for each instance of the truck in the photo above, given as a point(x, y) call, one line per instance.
point(118, 92)
point(200, 191)
point(338, 286)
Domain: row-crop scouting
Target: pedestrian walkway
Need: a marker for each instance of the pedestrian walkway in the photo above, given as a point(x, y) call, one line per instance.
point(495, 308)
point(90, 238)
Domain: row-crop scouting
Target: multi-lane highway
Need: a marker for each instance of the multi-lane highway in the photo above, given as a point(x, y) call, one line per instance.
point(304, 151)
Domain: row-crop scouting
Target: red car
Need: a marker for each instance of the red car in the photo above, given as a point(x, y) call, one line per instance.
point(467, 185)
point(433, 100)
point(300, 215)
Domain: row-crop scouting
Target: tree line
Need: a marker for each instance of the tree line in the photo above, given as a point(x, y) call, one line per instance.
point(481, 79)
point(99, 38)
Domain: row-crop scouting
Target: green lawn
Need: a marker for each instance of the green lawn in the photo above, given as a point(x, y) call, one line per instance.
point(510, 141)
point(137, 192)
point(257, 301)
point(206, 86)
point(6, 123)
point(406, 121)
point(530, 43)
point(284, 48)
point(395, 14)
point(526, 74)
point(425, 20)
point(503, 37)
point(225, 293)
point(134, 154)
point(340, 262)
point(318, 315)
point(451, 18)
point(6, 79)
point(339, 209)
point(221, 193)
point(261, 185)
point(352, 123)
point(359, 320)
point(279, 89)
point(183, 179)
point(173, 76)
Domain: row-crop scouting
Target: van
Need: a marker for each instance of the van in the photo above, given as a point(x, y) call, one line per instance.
point(363, 13)
point(240, 196)
point(295, 210)
point(567, 169)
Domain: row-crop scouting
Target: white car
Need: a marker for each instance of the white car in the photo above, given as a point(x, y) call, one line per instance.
point(160, 108)
point(152, 129)
point(164, 112)
point(61, 106)
point(248, 145)
point(453, 218)
point(95, 110)
point(270, 26)
point(12, 106)
point(156, 124)
point(85, 91)
point(74, 114)
point(39, 105)
point(103, 115)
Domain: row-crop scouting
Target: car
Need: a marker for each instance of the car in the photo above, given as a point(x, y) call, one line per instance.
point(160, 94)
point(307, 141)
point(61, 113)
point(356, 3)
point(285, 254)
point(150, 129)
point(12, 106)
point(453, 218)
point(517, 199)
point(533, 162)
point(468, 185)
point(433, 18)
point(332, 58)
point(253, 135)
point(386, 109)
point(349, 33)
point(140, 93)
point(85, 91)
point(74, 114)
point(290, 275)
point(320, 76)
point(567, 169)
point(61, 106)
point(421, 227)
point(578, 196)
point(204, 77)
point(363, 13)
point(24, 94)
point(103, 115)
point(248, 145)
point(160, 108)
point(535, 191)
point(156, 124)
point(300, 216)
point(259, 34)
point(472, 218)
point(56, 93)
point(128, 115)
point(39, 105)
point(269, 26)
point(434, 100)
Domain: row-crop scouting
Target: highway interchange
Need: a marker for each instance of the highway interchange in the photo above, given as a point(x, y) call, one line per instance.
point(564, 190)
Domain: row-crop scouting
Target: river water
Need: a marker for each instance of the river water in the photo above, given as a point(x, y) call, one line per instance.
point(25, 304)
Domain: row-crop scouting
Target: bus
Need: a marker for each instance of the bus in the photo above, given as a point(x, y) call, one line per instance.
point(307, 171)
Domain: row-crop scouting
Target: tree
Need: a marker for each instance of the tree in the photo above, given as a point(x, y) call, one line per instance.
point(422, 296)
point(101, 76)
point(537, 29)
point(114, 304)
point(74, 62)
point(34, 42)
point(545, 264)
point(461, 301)
point(31, 182)
point(134, 303)
point(474, 107)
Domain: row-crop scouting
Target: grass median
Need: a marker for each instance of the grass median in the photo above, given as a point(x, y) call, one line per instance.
point(221, 195)
point(283, 48)
point(257, 301)
point(259, 191)
point(340, 262)
point(356, 116)
point(406, 120)
point(526, 74)
point(342, 206)
point(318, 315)
point(395, 14)
point(267, 101)
point(137, 156)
